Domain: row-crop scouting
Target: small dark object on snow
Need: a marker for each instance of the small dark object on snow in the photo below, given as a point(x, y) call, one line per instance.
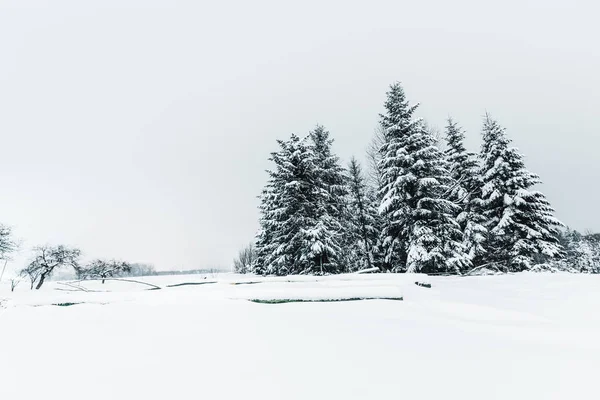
point(189, 284)
point(65, 304)
point(282, 301)
point(427, 285)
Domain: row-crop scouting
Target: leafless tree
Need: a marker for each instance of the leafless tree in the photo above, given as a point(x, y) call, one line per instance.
point(436, 133)
point(374, 156)
point(80, 271)
point(7, 247)
point(32, 272)
point(102, 269)
point(46, 259)
point(244, 260)
point(140, 269)
point(14, 282)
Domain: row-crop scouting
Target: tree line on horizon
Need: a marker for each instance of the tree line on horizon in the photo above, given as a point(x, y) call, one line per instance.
point(419, 208)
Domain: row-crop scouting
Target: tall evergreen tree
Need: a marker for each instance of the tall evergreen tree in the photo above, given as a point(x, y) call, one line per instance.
point(301, 209)
point(397, 124)
point(521, 227)
point(281, 245)
point(465, 191)
point(363, 220)
point(419, 232)
point(329, 191)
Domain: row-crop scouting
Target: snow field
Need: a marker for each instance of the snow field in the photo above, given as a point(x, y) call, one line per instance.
point(524, 336)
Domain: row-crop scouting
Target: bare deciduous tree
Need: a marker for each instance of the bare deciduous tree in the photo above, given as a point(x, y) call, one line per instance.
point(140, 269)
point(102, 269)
point(80, 271)
point(7, 247)
point(436, 133)
point(244, 260)
point(47, 259)
point(374, 156)
point(14, 282)
point(32, 272)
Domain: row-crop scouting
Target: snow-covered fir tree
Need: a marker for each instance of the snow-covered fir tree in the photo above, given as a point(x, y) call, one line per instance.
point(587, 254)
point(363, 220)
point(581, 253)
point(301, 209)
point(465, 191)
point(522, 230)
point(419, 231)
point(438, 212)
point(328, 202)
point(279, 243)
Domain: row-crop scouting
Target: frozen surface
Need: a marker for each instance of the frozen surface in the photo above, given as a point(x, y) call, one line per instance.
point(525, 336)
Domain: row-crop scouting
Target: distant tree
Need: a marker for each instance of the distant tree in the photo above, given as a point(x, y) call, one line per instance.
point(589, 251)
point(103, 269)
point(46, 259)
point(243, 263)
point(593, 237)
point(522, 229)
point(140, 269)
point(581, 253)
point(7, 246)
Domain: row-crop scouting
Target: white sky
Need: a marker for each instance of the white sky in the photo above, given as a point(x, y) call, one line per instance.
point(140, 129)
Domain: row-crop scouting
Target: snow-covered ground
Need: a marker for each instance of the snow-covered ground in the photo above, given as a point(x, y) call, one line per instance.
point(524, 336)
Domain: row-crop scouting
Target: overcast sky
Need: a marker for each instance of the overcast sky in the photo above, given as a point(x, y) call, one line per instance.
point(140, 129)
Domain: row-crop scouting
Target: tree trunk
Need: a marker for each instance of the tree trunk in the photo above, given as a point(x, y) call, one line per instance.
point(3, 269)
point(41, 281)
point(367, 247)
point(103, 281)
point(363, 228)
point(321, 263)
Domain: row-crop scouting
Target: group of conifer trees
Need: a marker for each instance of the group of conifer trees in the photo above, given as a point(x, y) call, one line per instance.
point(422, 210)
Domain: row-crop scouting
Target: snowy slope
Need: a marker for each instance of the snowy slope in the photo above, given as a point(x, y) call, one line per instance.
point(525, 336)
